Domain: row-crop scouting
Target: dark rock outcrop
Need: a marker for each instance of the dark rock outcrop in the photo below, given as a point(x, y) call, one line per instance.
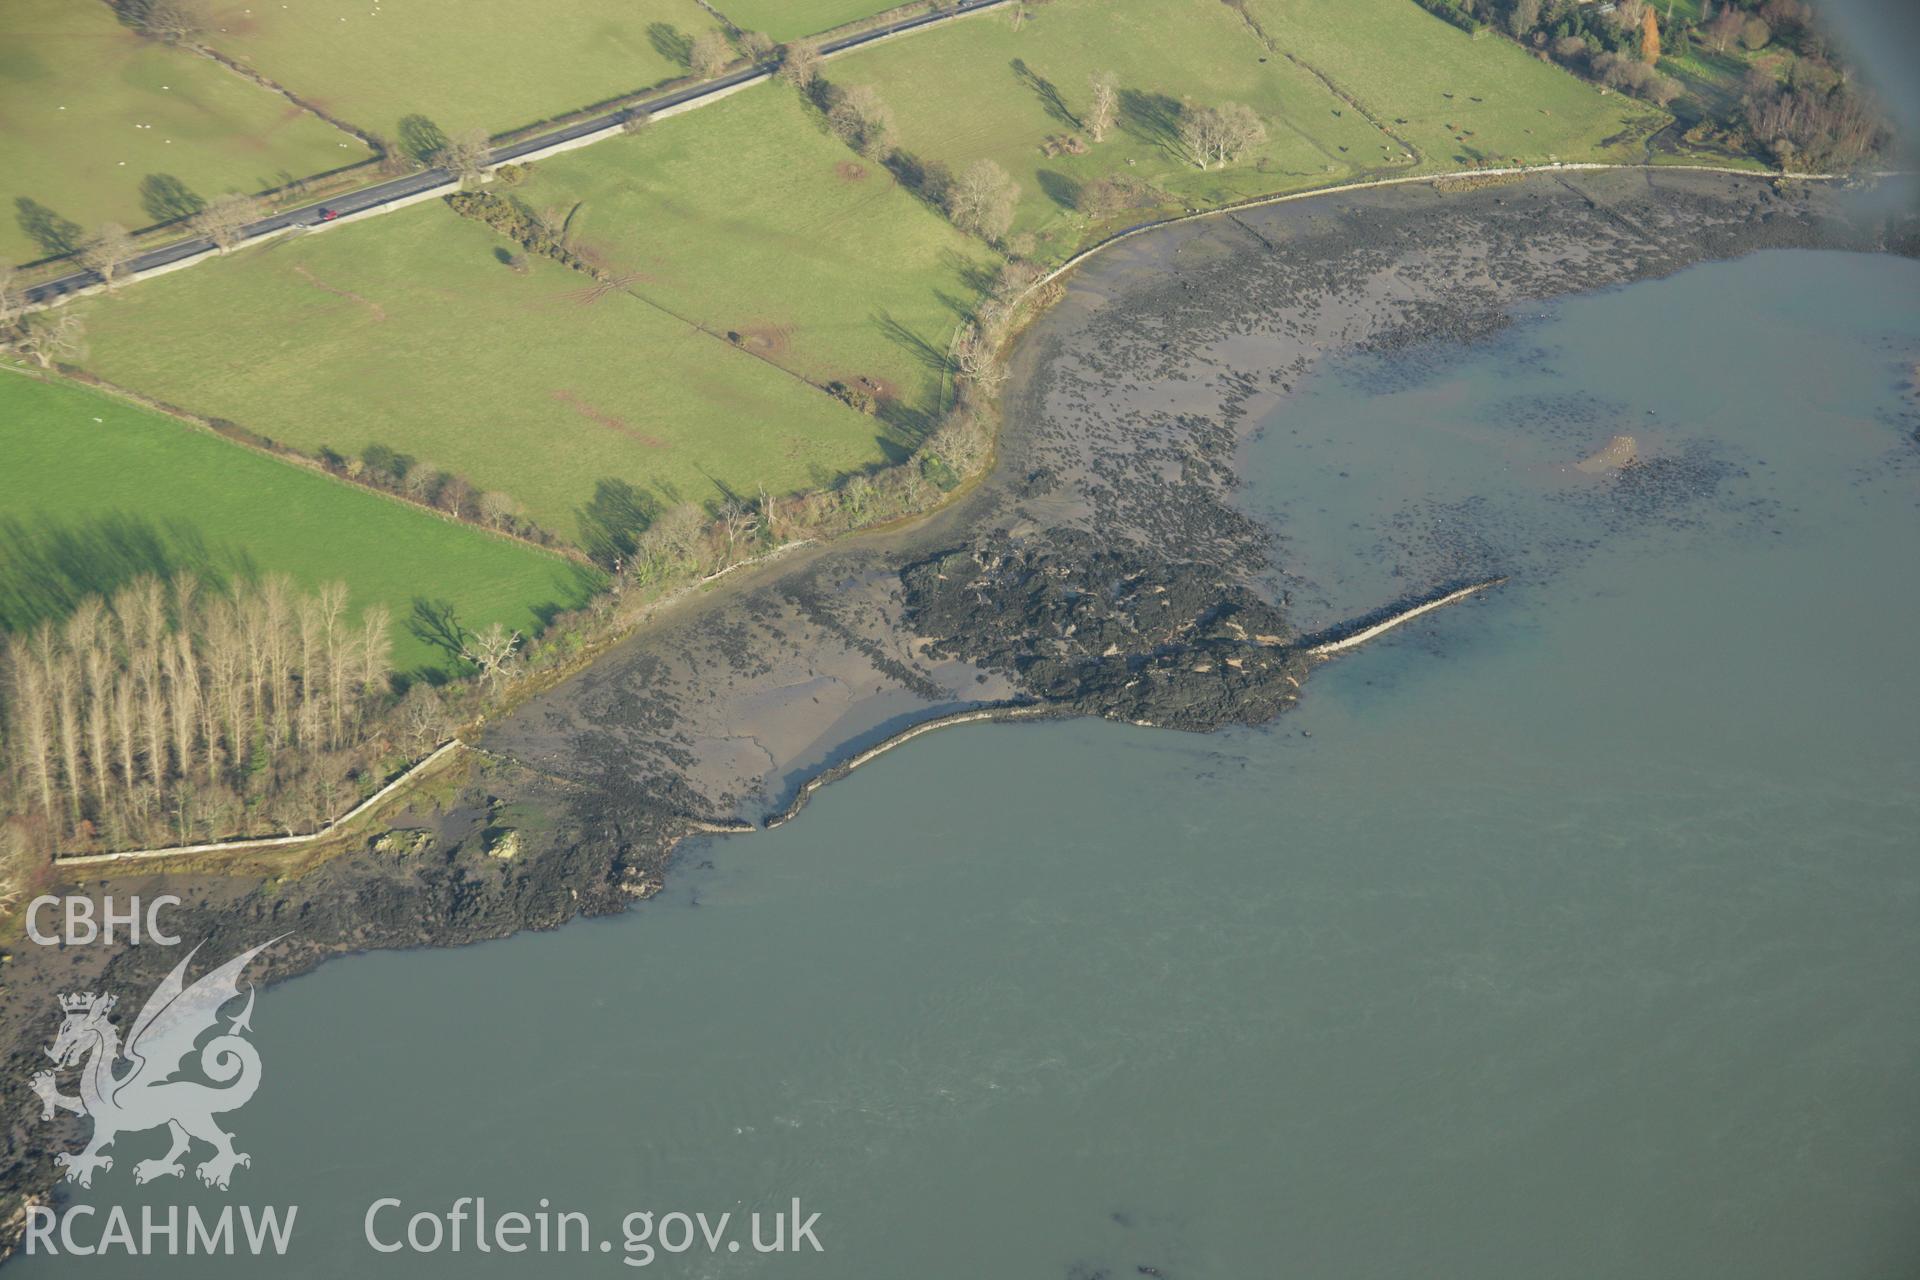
point(1108, 630)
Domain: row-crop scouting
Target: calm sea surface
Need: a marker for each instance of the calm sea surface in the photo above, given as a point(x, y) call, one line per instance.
point(1573, 933)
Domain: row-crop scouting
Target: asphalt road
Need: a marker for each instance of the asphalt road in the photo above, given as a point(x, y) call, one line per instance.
point(412, 184)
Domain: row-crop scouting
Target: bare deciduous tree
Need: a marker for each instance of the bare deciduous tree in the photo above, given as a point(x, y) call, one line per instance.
point(960, 442)
point(375, 651)
point(107, 252)
point(862, 120)
point(13, 299)
point(423, 717)
point(757, 45)
point(982, 200)
point(455, 495)
point(1725, 28)
point(49, 337)
point(225, 220)
point(1220, 135)
point(739, 521)
point(420, 480)
point(709, 55)
point(669, 544)
point(29, 720)
point(465, 154)
point(975, 361)
point(1104, 108)
point(770, 512)
point(492, 651)
point(498, 509)
point(800, 63)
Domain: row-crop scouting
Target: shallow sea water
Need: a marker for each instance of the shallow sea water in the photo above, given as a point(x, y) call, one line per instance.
point(1574, 932)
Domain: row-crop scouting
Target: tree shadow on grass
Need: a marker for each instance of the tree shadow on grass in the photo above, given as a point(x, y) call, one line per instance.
point(977, 276)
point(167, 199)
point(963, 309)
point(578, 585)
point(909, 423)
point(1044, 89)
point(1060, 189)
point(436, 623)
point(54, 234)
point(612, 521)
point(421, 138)
point(915, 345)
point(668, 41)
point(1153, 118)
point(926, 180)
point(47, 568)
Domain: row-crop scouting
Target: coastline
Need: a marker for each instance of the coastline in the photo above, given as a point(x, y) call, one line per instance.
point(1127, 405)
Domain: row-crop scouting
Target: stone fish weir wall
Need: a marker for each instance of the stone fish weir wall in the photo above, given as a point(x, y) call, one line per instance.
point(1102, 569)
point(1215, 645)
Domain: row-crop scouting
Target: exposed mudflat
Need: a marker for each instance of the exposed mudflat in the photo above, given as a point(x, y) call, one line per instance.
point(1103, 568)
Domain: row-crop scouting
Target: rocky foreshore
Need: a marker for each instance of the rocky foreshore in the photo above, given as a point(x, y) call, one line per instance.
point(1102, 569)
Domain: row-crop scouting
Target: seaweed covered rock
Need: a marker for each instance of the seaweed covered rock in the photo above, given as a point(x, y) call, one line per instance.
point(1108, 630)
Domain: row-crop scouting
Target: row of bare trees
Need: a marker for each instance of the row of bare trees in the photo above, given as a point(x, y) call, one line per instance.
point(1810, 125)
point(174, 707)
point(711, 52)
point(111, 248)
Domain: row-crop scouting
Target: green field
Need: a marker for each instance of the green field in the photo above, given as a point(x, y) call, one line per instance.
point(1714, 82)
point(754, 259)
point(748, 217)
point(131, 491)
point(410, 330)
point(1457, 99)
point(788, 19)
point(89, 112)
point(489, 64)
point(977, 88)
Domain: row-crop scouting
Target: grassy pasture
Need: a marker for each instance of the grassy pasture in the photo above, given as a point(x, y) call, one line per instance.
point(492, 64)
point(788, 19)
point(89, 111)
point(748, 217)
point(410, 330)
point(1457, 99)
point(1713, 80)
point(136, 491)
point(756, 257)
point(977, 88)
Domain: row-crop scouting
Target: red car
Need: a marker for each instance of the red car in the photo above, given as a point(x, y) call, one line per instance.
point(328, 215)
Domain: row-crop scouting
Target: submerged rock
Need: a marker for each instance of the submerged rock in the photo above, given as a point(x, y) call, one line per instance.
point(1620, 452)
